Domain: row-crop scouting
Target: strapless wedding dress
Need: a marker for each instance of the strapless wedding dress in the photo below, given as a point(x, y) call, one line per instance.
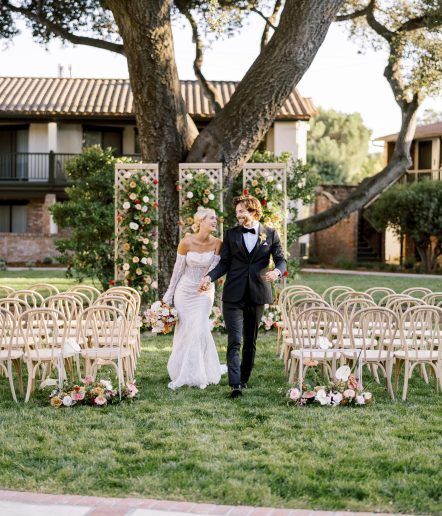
point(194, 359)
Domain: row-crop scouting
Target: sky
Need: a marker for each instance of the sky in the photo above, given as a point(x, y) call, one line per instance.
point(339, 78)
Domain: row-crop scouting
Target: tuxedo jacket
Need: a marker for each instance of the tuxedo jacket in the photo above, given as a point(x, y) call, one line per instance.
point(246, 270)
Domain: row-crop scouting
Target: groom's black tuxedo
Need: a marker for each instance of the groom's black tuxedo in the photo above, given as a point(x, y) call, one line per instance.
point(245, 293)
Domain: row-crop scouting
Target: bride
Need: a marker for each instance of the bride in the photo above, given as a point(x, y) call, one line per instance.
point(194, 359)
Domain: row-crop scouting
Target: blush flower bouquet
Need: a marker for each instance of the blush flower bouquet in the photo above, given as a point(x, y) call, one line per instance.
point(160, 317)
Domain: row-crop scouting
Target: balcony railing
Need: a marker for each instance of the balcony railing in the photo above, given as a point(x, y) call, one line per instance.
point(421, 175)
point(36, 167)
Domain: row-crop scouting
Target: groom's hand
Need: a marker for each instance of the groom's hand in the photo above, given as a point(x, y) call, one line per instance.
point(204, 284)
point(272, 276)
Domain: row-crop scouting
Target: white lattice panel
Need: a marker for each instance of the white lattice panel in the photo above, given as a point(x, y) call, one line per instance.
point(252, 171)
point(212, 170)
point(125, 171)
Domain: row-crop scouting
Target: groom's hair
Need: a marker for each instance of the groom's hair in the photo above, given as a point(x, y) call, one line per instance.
point(250, 203)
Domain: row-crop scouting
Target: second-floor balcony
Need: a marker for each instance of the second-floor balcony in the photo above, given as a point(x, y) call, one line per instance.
point(36, 168)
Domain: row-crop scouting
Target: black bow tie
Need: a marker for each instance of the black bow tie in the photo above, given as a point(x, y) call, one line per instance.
point(247, 230)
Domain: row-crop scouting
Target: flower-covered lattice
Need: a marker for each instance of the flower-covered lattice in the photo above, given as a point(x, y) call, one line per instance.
point(199, 189)
point(137, 239)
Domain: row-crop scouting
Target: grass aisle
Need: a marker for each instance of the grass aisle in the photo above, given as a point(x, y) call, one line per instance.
point(200, 446)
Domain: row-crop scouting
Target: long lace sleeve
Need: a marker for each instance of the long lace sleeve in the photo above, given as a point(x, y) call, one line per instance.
point(214, 263)
point(178, 270)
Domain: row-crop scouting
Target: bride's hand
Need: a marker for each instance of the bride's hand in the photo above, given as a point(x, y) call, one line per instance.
point(204, 284)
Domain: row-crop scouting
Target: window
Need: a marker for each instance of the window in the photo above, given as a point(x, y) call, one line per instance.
point(424, 155)
point(13, 218)
point(105, 137)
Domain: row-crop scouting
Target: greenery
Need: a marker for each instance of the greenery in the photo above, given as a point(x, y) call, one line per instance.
point(89, 214)
point(338, 148)
point(201, 446)
point(414, 210)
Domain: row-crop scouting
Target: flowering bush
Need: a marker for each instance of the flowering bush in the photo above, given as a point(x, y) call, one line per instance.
point(91, 392)
point(343, 391)
point(138, 220)
point(271, 315)
point(198, 190)
point(160, 317)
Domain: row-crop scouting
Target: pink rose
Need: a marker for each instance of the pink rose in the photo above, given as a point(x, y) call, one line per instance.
point(78, 396)
point(349, 393)
point(100, 400)
point(88, 380)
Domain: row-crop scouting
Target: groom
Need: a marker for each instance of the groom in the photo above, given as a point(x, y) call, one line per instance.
point(245, 256)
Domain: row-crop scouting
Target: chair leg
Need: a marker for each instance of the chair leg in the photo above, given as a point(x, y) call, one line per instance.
point(292, 371)
point(11, 381)
point(17, 365)
point(423, 371)
point(30, 381)
point(406, 378)
point(389, 371)
point(397, 370)
point(278, 340)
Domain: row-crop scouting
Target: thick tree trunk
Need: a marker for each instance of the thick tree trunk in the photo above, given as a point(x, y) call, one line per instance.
point(238, 129)
point(166, 131)
point(375, 185)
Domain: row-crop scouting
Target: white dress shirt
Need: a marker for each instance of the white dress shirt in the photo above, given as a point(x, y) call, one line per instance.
point(250, 239)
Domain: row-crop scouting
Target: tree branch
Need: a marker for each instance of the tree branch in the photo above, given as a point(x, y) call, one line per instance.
point(63, 33)
point(375, 25)
point(210, 91)
point(264, 17)
point(270, 23)
point(351, 16)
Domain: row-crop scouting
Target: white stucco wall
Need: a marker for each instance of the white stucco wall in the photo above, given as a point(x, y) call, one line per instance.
point(392, 247)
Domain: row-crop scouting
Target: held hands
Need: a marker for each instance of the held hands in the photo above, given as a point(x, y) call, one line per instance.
point(271, 276)
point(204, 284)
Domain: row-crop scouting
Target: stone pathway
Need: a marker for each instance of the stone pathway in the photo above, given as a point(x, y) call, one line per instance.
point(16, 503)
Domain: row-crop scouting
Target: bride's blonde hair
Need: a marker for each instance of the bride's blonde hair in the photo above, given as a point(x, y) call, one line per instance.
point(200, 215)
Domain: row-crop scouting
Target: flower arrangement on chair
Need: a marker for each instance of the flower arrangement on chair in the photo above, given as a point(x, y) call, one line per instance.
point(344, 390)
point(97, 393)
point(137, 240)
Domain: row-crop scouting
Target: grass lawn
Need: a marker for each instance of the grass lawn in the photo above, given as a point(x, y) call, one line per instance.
point(201, 446)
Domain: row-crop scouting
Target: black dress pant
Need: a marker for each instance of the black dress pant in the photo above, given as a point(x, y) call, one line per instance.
point(242, 320)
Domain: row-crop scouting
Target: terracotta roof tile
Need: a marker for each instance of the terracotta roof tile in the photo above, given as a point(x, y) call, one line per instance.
point(113, 97)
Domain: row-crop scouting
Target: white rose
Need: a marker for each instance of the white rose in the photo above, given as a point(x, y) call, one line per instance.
point(107, 385)
point(368, 396)
point(360, 400)
point(126, 205)
point(146, 241)
point(156, 305)
point(211, 197)
point(294, 394)
point(270, 179)
point(149, 261)
point(126, 267)
point(134, 225)
point(135, 259)
point(144, 260)
point(189, 195)
point(144, 208)
point(189, 177)
point(145, 199)
point(133, 196)
point(138, 207)
point(154, 284)
point(279, 187)
point(67, 401)
point(321, 396)
point(211, 180)
point(127, 175)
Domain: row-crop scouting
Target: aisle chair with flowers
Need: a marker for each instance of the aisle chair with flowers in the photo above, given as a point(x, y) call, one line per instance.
point(319, 345)
point(103, 339)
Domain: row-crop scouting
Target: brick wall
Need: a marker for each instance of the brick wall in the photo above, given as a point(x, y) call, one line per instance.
point(26, 247)
point(340, 240)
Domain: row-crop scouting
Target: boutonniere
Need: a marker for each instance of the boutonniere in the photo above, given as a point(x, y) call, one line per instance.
point(262, 237)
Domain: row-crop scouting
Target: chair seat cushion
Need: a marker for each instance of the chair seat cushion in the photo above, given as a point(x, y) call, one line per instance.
point(105, 353)
point(370, 355)
point(418, 355)
point(15, 354)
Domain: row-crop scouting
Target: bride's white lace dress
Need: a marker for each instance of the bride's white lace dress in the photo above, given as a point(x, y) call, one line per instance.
point(194, 359)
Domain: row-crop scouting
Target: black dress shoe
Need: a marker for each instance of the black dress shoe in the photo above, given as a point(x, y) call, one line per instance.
point(235, 392)
point(243, 385)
